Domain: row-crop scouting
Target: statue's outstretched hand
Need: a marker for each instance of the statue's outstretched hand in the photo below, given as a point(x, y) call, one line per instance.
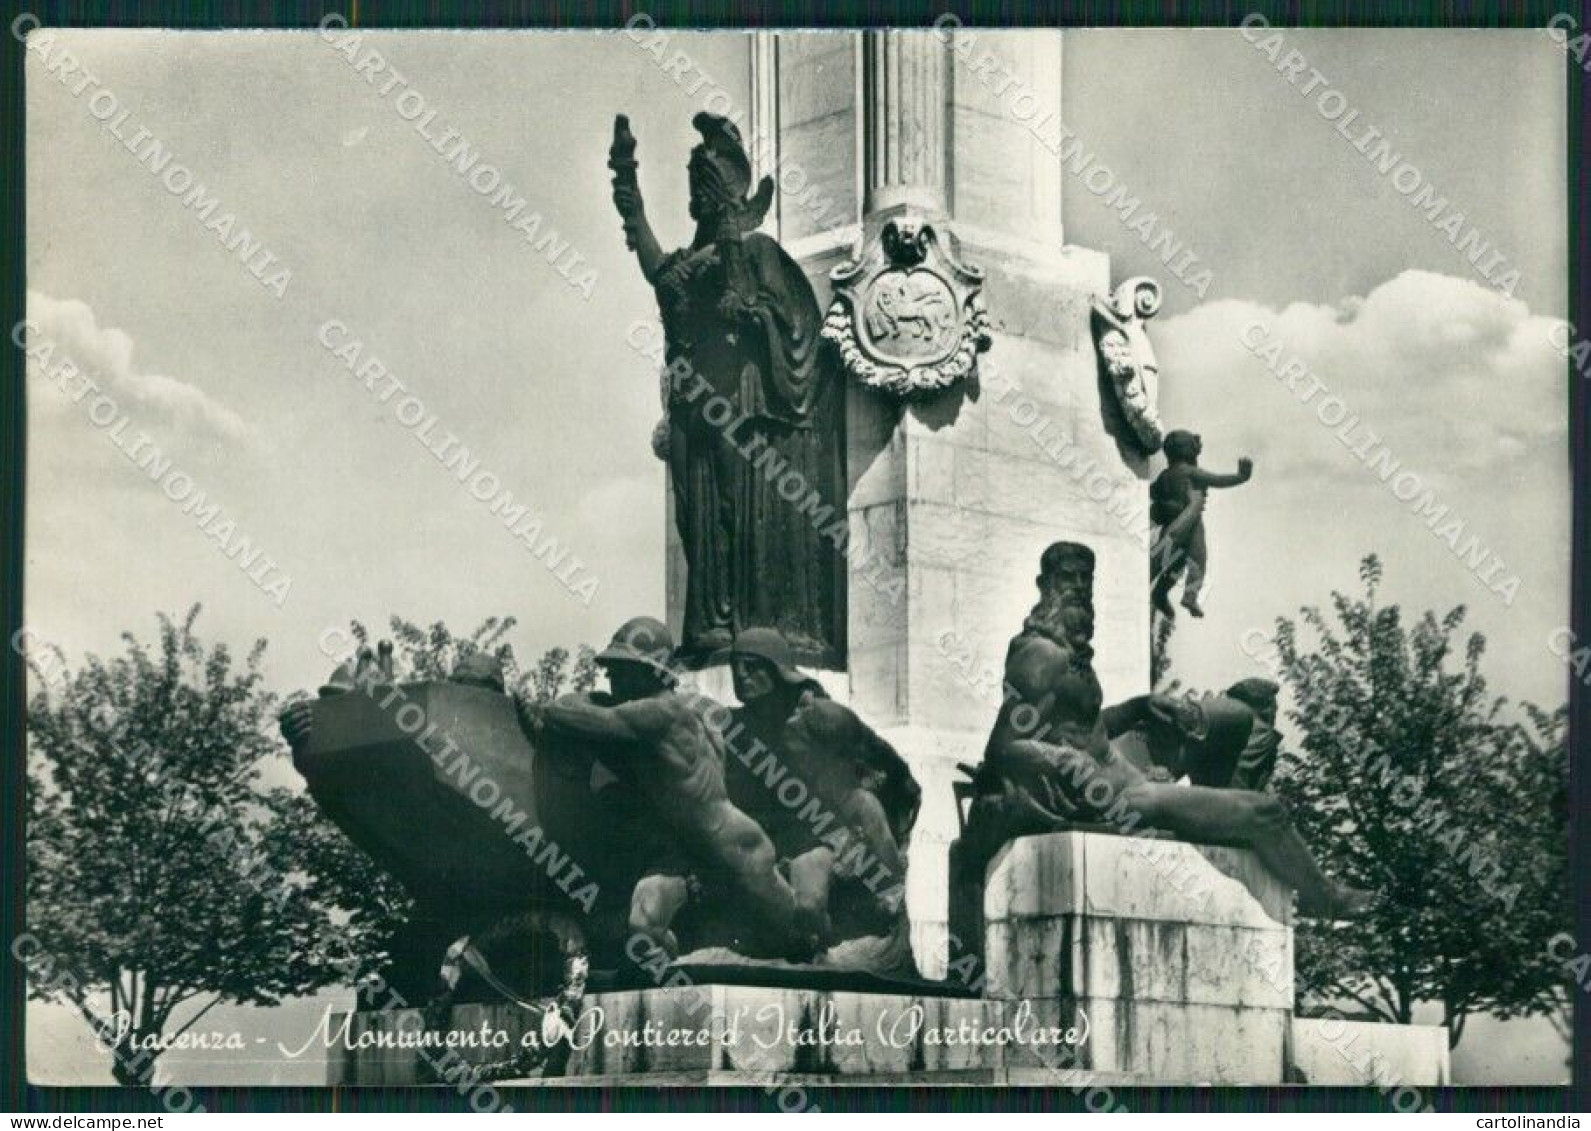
point(1245, 467)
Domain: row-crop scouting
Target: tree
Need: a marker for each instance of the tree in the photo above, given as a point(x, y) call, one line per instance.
point(1412, 782)
point(1538, 823)
point(146, 838)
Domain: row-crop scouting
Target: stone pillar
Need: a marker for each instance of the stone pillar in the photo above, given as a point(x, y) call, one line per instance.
point(905, 87)
point(953, 499)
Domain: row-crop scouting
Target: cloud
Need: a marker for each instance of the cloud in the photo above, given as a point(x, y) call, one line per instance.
point(1453, 377)
point(1466, 391)
point(175, 409)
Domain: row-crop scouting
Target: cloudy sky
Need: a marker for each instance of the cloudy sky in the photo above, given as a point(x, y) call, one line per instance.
point(1298, 230)
point(1304, 235)
point(1295, 226)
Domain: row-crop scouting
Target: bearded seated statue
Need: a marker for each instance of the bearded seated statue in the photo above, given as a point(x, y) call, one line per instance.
point(1051, 764)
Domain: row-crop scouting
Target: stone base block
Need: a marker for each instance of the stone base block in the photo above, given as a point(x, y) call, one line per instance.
point(1154, 1042)
point(1359, 1053)
point(1134, 877)
point(1096, 916)
point(1177, 959)
point(1087, 956)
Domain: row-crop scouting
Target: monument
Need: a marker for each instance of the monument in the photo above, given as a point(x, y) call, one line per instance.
point(809, 885)
point(953, 494)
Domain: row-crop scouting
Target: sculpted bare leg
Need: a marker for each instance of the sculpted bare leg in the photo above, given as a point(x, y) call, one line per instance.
point(811, 877)
point(864, 815)
point(750, 858)
point(1055, 775)
point(666, 743)
point(1256, 820)
point(653, 905)
point(1233, 816)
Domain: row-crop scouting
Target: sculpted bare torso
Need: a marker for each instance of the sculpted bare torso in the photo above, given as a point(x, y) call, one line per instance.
point(673, 750)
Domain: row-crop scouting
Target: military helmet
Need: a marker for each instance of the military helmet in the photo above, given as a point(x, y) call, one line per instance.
point(770, 646)
point(641, 640)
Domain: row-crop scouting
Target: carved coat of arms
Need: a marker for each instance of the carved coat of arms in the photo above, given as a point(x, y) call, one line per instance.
point(907, 316)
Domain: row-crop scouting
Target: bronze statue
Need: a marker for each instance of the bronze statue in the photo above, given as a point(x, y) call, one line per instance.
point(394, 764)
point(754, 409)
point(1256, 762)
point(670, 744)
point(1176, 506)
point(1226, 741)
point(641, 810)
point(845, 828)
point(1050, 764)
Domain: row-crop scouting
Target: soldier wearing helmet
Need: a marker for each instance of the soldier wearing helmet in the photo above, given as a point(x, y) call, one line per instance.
point(844, 827)
point(670, 745)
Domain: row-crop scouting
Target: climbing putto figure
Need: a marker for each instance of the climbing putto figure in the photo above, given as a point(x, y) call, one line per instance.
point(1176, 508)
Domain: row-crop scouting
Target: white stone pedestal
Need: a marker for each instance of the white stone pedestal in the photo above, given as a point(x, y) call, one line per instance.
point(1180, 956)
point(1357, 1054)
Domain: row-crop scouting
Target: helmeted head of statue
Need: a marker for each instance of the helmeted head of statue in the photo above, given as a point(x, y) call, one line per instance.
point(761, 660)
point(639, 659)
point(720, 176)
point(720, 171)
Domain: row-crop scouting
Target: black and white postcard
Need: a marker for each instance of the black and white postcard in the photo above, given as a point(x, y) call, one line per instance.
point(929, 555)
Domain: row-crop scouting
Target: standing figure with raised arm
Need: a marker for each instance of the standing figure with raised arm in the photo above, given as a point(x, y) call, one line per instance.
point(746, 388)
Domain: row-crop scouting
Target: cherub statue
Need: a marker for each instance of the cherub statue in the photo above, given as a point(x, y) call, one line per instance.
point(1176, 506)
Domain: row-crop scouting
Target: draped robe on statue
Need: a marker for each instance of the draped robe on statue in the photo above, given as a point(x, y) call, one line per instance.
point(759, 493)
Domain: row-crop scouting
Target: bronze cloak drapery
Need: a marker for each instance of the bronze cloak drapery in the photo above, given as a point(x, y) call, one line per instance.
point(756, 448)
